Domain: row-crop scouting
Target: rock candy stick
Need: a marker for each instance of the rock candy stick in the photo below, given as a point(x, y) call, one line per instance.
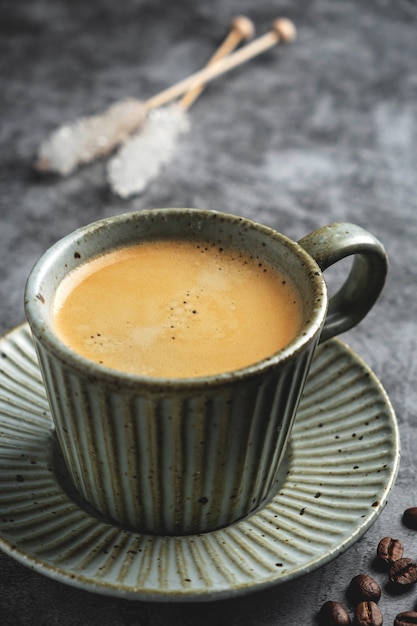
point(91, 137)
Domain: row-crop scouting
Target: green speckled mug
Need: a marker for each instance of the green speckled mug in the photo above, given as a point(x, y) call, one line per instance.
point(191, 455)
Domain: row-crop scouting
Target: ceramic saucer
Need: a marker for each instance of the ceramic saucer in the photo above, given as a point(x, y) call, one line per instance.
point(341, 465)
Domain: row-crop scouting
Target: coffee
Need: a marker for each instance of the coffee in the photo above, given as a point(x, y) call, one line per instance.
point(368, 614)
point(334, 614)
point(390, 550)
point(176, 309)
point(406, 618)
point(363, 588)
point(180, 455)
point(410, 517)
point(403, 571)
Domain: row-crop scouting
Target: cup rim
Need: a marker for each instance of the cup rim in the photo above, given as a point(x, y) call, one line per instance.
point(43, 332)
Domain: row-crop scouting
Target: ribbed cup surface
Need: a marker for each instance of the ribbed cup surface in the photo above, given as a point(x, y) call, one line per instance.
point(174, 462)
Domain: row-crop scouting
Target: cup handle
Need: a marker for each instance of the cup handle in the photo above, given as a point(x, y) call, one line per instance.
point(365, 281)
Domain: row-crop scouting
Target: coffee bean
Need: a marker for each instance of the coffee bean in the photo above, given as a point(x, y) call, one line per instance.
point(334, 614)
point(405, 619)
point(363, 587)
point(368, 614)
point(410, 517)
point(390, 550)
point(403, 572)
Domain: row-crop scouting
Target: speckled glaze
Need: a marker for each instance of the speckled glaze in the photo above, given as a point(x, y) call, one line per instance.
point(185, 456)
point(336, 476)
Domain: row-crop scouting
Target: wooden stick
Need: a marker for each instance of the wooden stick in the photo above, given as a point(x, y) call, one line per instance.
point(282, 31)
point(242, 28)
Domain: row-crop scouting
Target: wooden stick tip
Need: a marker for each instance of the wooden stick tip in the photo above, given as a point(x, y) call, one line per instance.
point(285, 29)
point(244, 26)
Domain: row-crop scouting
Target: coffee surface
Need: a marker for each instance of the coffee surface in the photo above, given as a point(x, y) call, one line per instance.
point(176, 309)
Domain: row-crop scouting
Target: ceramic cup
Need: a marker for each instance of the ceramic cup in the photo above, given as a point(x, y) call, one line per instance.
point(186, 456)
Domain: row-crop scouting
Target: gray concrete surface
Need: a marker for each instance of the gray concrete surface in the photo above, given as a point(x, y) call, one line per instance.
point(324, 130)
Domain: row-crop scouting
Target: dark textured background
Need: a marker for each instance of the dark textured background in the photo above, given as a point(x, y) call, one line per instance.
point(321, 131)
